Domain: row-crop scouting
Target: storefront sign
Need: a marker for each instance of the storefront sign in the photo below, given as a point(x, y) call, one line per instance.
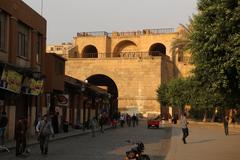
point(32, 86)
point(11, 80)
point(36, 86)
point(62, 100)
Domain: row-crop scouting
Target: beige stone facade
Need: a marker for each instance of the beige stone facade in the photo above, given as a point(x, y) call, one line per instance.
point(60, 49)
point(137, 62)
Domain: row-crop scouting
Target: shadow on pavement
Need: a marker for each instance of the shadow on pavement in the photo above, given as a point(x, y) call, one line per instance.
point(202, 141)
point(234, 134)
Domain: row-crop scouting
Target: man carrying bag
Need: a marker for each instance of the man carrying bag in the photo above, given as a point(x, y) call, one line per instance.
point(44, 129)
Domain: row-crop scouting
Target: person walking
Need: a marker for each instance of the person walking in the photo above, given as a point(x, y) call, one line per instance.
point(44, 129)
point(3, 124)
point(225, 124)
point(134, 120)
point(55, 122)
point(101, 122)
point(128, 119)
point(122, 120)
point(93, 124)
point(20, 136)
point(184, 124)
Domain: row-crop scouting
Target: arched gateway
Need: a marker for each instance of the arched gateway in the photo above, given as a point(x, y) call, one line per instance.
point(107, 83)
point(131, 67)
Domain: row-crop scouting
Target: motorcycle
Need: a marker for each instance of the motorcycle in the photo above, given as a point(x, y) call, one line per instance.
point(136, 153)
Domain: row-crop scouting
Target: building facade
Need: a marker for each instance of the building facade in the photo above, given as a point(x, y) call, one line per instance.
point(130, 65)
point(73, 100)
point(60, 49)
point(22, 48)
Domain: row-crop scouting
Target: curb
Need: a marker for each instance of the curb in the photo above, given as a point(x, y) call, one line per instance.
point(57, 137)
point(171, 155)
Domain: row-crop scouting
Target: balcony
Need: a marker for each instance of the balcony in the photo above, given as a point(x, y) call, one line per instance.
point(121, 55)
point(121, 34)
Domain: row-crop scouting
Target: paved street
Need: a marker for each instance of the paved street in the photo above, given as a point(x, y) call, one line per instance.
point(110, 145)
point(205, 142)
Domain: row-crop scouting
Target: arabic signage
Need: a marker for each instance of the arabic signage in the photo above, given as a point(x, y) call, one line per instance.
point(32, 86)
point(14, 81)
point(11, 80)
point(62, 100)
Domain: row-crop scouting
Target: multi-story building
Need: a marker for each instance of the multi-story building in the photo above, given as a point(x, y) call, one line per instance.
point(60, 49)
point(22, 48)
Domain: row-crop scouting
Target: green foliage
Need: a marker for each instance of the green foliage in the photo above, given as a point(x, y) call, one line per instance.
point(215, 46)
point(175, 93)
point(182, 41)
point(163, 95)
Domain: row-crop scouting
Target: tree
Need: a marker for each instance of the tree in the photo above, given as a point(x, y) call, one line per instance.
point(203, 98)
point(175, 93)
point(215, 47)
point(163, 95)
point(182, 42)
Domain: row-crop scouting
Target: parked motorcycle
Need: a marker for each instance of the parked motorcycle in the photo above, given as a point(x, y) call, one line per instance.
point(136, 153)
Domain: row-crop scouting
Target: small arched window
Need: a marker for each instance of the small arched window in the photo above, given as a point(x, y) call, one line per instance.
point(157, 49)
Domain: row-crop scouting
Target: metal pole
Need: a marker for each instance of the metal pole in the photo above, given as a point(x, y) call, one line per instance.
point(41, 7)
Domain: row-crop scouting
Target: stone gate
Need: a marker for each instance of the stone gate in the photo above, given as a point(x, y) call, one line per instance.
point(131, 65)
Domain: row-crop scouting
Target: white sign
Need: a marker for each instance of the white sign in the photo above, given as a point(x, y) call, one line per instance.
point(62, 100)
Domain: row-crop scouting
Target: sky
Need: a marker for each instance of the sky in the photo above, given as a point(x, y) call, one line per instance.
point(67, 17)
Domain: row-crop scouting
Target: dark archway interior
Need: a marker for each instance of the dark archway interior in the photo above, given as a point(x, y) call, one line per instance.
point(90, 52)
point(103, 80)
point(157, 49)
point(120, 46)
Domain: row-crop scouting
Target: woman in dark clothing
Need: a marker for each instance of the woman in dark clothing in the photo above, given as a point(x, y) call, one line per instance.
point(20, 137)
point(3, 124)
point(225, 124)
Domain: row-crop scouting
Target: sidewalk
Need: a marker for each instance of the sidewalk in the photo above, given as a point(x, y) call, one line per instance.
point(205, 141)
point(62, 135)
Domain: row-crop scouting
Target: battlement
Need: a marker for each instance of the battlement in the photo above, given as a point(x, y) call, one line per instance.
point(132, 33)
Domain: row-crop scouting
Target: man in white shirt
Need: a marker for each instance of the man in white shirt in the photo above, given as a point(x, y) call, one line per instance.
point(184, 125)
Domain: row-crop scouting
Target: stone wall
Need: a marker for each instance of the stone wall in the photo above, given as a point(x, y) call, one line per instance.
point(136, 79)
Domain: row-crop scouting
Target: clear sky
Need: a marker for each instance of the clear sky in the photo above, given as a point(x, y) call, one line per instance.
point(67, 17)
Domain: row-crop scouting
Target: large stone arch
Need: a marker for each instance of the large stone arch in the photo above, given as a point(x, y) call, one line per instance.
point(157, 49)
point(105, 81)
point(124, 47)
point(90, 51)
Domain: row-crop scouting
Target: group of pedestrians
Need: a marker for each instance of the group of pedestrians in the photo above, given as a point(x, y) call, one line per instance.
point(43, 130)
point(97, 122)
point(130, 120)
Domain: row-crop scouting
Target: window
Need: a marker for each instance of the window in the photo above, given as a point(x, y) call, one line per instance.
point(38, 48)
point(23, 41)
point(2, 30)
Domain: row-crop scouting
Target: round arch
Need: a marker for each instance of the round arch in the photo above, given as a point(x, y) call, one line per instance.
point(106, 82)
point(90, 51)
point(157, 49)
point(125, 46)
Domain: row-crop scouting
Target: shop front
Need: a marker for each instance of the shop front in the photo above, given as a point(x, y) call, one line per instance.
point(19, 91)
